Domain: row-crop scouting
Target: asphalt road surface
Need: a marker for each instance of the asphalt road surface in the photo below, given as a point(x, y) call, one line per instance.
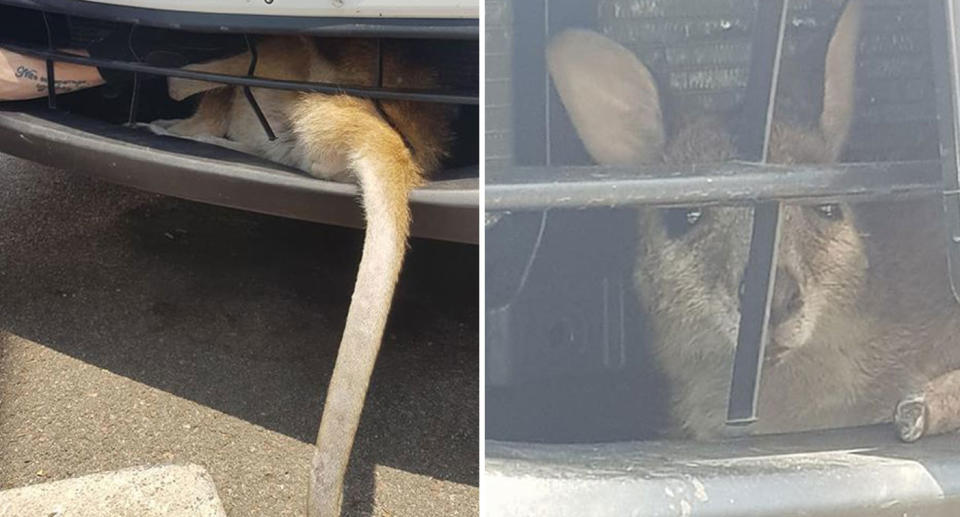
point(137, 329)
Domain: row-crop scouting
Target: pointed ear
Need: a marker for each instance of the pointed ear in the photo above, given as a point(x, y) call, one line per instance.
point(610, 96)
point(179, 88)
point(839, 78)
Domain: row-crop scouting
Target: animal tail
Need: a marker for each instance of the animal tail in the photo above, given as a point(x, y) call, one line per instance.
point(387, 172)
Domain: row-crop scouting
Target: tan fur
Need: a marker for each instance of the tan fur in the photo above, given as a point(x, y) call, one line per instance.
point(336, 137)
point(576, 58)
point(861, 317)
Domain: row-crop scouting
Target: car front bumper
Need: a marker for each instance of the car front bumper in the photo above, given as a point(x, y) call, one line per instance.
point(445, 209)
point(840, 473)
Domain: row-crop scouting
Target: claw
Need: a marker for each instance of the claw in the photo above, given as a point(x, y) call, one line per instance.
point(910, 418)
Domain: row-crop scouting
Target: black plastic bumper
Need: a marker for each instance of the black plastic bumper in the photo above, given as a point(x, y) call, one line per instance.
point(445, 209)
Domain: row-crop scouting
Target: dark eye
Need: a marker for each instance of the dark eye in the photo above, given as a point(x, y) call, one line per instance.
point(832, 211)
point(678, 221)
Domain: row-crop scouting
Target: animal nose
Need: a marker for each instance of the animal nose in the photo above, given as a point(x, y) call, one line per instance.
point(786, 297)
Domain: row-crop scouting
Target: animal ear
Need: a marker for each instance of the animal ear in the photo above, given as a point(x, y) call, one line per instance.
point(610, 96)
point(839, 78)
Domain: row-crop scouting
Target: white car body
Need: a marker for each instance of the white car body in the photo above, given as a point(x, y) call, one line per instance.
point(466, 9)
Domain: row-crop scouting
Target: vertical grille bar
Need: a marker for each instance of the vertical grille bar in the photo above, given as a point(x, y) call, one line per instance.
point(249, 94)
point(135, 94)
point(51, 80)
point(757, 282)
point(944, 24)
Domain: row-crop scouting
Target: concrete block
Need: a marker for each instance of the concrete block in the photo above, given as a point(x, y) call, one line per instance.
point(162, 490)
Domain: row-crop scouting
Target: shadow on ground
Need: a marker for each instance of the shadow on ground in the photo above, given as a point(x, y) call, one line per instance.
point(242, 313)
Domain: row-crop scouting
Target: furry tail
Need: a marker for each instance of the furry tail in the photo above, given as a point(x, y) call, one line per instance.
point(387, 173)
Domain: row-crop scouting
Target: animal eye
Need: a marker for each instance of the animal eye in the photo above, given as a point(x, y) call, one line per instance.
point(678, 221)
point(831, 211)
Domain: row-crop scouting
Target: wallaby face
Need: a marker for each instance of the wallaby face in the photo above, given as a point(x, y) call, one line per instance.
point(689, 270)
point(387, 147)
point(691, 260)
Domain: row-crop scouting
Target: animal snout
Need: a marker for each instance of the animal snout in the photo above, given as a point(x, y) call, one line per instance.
point(787, 299)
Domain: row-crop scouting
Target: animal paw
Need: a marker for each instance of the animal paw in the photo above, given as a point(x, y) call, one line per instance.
point(157, 127)
point(910, 418)
point(165, 123)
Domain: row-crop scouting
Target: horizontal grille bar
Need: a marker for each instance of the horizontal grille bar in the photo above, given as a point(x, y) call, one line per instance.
point(534, 188)
point(453, 97)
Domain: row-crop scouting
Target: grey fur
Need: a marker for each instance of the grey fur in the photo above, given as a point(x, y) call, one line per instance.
point(862, 316)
